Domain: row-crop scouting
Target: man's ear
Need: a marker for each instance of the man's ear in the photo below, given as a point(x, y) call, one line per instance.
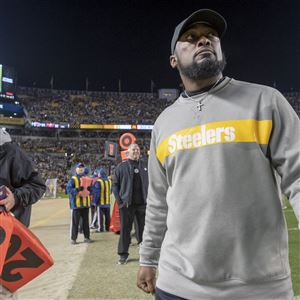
point(173, 61)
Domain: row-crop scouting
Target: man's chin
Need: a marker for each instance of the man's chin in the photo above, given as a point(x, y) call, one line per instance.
point(204, 61)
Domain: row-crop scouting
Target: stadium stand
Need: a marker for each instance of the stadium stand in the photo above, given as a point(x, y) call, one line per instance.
point(55, 157)
point(56, 151)
point(90, 107)
point(294, 100)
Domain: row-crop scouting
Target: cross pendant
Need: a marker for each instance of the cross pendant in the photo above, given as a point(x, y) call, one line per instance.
point(199, 106)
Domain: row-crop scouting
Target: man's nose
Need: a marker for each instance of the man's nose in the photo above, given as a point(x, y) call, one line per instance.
point(203, 41)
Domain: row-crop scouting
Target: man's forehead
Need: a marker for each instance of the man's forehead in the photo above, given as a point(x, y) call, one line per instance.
point(133, 147)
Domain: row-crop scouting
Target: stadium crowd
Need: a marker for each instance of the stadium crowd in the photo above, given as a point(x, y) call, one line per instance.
point(56, 157)
point(56, 151)
point(44, 105)
point(294, 100)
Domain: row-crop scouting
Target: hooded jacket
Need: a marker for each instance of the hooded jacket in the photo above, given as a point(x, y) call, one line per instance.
point(18, 174)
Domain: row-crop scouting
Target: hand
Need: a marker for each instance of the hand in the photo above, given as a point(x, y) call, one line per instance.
point(146, 279)
point(8, 202)
point(81, 188)
point(89, 188)
point(122, 205)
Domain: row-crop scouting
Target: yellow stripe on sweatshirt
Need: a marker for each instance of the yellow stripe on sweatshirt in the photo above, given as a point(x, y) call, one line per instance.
point(232, 131)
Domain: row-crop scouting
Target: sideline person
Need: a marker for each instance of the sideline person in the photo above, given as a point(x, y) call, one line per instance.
point(101, 191)
point(22, 182)
point(130, 185)
point(214, 224)
point(79, 205)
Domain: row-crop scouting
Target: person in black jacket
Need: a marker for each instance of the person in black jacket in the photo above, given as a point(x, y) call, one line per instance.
point(130, 187)
point(22, 183)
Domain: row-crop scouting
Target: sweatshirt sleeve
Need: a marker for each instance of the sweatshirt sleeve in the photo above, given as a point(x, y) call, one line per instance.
point(156, 212)
point(285, 149)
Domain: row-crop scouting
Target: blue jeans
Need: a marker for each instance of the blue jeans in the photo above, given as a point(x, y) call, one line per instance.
point(162, 295)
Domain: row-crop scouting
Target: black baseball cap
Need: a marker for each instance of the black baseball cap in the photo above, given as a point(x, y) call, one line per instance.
point(208, 16)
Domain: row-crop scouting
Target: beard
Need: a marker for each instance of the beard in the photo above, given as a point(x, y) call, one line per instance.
point(207, 68)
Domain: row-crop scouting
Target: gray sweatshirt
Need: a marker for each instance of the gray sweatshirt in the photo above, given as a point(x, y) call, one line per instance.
point(4, 137)
point(214, 221)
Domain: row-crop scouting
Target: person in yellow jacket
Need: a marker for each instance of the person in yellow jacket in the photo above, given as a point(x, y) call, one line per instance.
point(102, 198)
point(79, 205)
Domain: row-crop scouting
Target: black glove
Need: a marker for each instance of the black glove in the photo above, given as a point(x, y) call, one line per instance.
point(81, 188)
point(89, 188)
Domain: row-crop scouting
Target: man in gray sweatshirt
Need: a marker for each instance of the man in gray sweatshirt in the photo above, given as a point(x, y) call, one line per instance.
point(214, 224)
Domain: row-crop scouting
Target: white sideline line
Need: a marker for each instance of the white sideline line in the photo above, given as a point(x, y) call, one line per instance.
point(293, 228)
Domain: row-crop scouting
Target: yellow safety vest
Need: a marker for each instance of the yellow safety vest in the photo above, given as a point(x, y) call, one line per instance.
point(80, 201)
point(105, 191)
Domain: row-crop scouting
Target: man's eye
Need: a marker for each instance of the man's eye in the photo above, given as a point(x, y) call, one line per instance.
point(213, 35)
point(190, 37)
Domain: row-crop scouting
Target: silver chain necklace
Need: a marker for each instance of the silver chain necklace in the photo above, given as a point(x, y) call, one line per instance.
point(200, 101)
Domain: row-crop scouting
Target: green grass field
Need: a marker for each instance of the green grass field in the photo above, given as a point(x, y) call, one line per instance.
point(294, 247)
point(101, 278)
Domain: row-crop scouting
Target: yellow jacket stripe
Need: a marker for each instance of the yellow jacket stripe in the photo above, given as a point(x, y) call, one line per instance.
point(232, 131)
point(105, 191)
point(80, 201)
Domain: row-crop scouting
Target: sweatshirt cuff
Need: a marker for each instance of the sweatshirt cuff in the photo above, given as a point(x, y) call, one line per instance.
point(149, 256)
point(148, 265)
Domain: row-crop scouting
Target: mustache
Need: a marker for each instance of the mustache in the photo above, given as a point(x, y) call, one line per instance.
point(205, 49)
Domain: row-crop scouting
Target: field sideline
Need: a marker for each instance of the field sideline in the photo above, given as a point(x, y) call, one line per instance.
point(294, 247)
point(91, 271)
point(106, 280)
